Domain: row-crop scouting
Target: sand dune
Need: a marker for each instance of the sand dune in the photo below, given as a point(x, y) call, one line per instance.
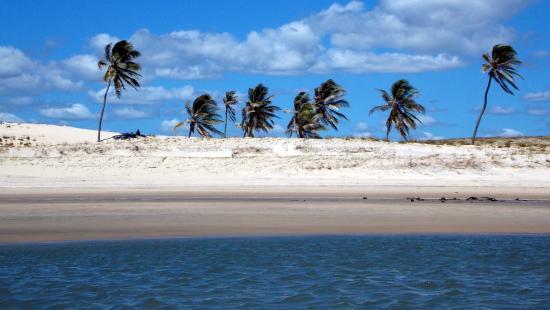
point(34, 155)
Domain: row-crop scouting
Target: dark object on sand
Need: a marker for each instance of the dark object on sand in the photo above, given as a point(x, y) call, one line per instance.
point(365, 198)
point(482, 198)
point(129, 135)
point(413, 199)
point(443, 199)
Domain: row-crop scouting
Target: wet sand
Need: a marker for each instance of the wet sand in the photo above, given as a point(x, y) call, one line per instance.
point(64, 214)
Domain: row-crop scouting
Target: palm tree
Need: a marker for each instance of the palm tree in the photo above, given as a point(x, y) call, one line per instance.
point(121, 70)
point(229, 100)
point(258, 113)
point(402, 106)
point(328, 100)
point(203, 115)
point(501, 67)
point(305, 121)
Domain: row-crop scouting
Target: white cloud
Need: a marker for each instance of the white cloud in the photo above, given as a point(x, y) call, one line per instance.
point(538, 97)
point(278, 129)
point(502, 110)
point(542, 53)
point(361, 126)
point(10, 118)
point(19, 100)
point(450, 26)
point(362, 62)
point(414, 35)
point(20, 74)
point(427, 120)
point(130, 113)
point(361, 130)
point(84, 66)
point(430, 136)
point(538, 112)
point(509, 132)
point(145, 95)
point(167, 126)
point(76, 111)
point(98, 42)
point(13, 62)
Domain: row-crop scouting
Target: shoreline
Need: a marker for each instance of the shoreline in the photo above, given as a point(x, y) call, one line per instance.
point(273, 236)
point(58, 215)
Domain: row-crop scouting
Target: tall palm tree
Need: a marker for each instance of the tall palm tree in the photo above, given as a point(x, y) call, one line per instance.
point(229, 100)
point(305, 121)
point(402, 106)
point(501, 67)
point(258, 112)
point(328, 100)
point(121, 70)
point(203, 115)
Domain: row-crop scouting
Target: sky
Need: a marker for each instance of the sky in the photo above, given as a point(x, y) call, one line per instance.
point(49, 51)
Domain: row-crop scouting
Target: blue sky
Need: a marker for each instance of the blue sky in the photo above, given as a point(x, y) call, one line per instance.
point(49, 50)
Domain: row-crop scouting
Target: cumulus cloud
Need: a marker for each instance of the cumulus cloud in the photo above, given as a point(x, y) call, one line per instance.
point(538, 112)
point(145, 95)
point(76, 111)
point(499, 110)
point(510, 132)
point(538, 96)
point(427, 120)
point(19, 100)
point(83, 66)
point(130, 113)
point(167, 126)
point(10, 118)
point(99, 41)
point(361, 130)
point(449, 26)
point(20, 74)
point(414, 35)
point(430, 136)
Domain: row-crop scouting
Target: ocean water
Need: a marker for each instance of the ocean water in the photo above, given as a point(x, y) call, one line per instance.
point(281, 272)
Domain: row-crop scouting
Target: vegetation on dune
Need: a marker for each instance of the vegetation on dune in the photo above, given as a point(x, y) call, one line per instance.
point(329, 99)
point(121, 70)
point(501, 67)
point(259, 112)
point(310, 115)
point(402, 105)
point(305, 121)
point(203, 115)
point(230, 99)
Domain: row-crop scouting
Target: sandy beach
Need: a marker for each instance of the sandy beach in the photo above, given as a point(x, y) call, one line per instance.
point(69, 214)
point(58, 185)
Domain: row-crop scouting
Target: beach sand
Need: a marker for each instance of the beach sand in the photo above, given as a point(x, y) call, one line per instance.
point(69, 214)
point(57, 184)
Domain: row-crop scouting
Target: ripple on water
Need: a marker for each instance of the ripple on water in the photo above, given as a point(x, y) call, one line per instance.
point(333, 272)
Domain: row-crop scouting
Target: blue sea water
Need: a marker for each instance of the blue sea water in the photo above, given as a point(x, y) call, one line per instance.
point(281, 272)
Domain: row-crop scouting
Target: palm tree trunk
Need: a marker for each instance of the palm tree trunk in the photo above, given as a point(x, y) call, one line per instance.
point(482, 109)
point(225, 129)
point(388, 134)
point(190, 131)
point(102, 111)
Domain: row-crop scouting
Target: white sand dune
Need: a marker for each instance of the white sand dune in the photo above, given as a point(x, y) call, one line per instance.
point(36, 155)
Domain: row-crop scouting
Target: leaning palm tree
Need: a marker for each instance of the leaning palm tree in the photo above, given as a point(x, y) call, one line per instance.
point(203, 115)
point(229, 100)
point(121, 70)
point(258, 112)
point(328, 100)
point(501, 67)
point(402, 106)
point(305, 122)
